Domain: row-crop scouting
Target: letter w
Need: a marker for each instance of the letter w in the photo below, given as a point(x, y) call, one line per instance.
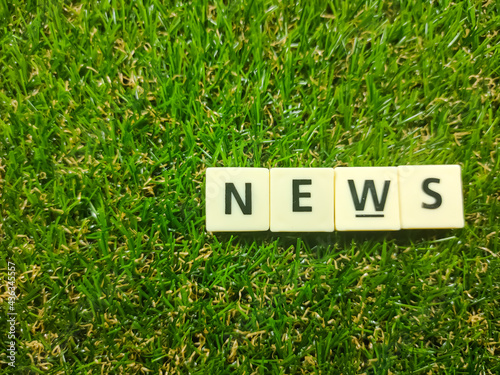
point(246, 207)
point(369, 186)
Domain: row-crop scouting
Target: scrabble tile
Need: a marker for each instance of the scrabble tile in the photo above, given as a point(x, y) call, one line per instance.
point(430, 196)
point(302, 200)
point(237, 199)
point(366, 198)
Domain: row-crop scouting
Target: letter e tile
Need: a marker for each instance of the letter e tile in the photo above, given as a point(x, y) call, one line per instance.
point(302, 200)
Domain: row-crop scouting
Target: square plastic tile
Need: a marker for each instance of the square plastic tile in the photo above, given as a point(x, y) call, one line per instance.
point(430, 196)
point(237, 199)
point(302, 199)
point(366, 198)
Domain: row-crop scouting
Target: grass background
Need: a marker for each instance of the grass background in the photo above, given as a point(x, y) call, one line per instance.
point(110, 111)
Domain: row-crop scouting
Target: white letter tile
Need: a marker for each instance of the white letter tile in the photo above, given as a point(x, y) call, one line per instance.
point(237, 199)
point(431, 196)
point(302, 200)
point(366, 198)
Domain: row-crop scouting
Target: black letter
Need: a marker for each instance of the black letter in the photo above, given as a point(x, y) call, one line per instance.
point(432, 193)
point(297, 194)
point(246, 207)
point(369, 185)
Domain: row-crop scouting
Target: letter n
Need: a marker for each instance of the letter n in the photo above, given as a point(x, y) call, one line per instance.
point(246, 207)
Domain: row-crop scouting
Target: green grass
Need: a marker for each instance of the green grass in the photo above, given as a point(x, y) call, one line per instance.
point(110, 112)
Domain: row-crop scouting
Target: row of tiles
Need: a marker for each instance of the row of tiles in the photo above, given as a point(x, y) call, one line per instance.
point(328, 199)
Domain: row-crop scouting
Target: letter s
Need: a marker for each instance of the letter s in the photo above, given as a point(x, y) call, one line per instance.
point(432, 193)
